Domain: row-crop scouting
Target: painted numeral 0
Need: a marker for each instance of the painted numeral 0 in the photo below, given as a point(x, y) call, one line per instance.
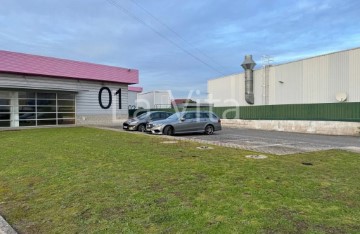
point(110, 98)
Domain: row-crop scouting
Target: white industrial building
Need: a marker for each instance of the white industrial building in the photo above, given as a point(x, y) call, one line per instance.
point(154, 99)
point(326, 78)
point(132, 96)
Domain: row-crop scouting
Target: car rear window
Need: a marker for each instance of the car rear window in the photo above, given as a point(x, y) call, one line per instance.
point(213, 116)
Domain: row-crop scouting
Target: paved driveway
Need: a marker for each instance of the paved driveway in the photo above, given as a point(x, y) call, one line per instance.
point(272, 142)
point(278, 142)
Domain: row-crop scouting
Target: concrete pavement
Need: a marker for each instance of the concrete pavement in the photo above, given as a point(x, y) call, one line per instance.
point(280, 143)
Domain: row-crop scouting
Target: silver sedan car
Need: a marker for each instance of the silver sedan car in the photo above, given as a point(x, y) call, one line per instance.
point(139, 123)
point(186, 122)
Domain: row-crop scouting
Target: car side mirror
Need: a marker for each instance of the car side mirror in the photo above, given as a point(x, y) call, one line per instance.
point(182, 119)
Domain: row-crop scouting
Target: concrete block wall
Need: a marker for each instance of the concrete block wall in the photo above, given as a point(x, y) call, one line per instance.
point(104, 120)
point(314, 127)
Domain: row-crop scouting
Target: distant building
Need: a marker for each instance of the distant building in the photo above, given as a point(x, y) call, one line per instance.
point(132, 96)
point(154, 99)
point(328, 78)
point(37, 90)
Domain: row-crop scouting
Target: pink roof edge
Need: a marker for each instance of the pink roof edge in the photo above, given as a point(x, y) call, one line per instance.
point(135, 89)
point(20, 63)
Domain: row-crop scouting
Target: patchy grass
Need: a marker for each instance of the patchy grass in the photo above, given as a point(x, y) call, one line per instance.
point(95, 181)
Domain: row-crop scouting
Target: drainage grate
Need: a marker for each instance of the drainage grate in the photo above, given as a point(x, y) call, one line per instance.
point(256, 156)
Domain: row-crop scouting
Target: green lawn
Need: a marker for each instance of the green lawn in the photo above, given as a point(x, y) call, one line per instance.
point(87, 180)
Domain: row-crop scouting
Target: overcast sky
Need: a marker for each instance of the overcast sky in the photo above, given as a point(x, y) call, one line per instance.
point(182, 43)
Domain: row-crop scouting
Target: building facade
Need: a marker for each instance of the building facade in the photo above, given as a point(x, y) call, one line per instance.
point(326, 78)
point(132, 96)
point(37, 91)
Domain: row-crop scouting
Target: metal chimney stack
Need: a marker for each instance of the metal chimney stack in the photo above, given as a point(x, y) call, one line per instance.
point(248, 66)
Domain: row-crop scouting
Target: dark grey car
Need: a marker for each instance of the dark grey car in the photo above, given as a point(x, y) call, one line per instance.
point(186, 122)
point(139, 123)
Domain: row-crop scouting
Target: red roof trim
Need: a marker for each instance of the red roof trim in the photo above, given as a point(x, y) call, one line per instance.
point(135, 89)
point(20, 63)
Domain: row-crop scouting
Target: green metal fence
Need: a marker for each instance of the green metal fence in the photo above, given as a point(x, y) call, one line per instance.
point(326, 112)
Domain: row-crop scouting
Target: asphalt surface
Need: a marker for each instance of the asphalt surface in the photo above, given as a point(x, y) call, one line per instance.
point(280, 143)
point(273, 142)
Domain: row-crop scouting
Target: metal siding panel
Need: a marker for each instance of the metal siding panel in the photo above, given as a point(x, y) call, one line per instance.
point(290, 91)
point(354, 76)
point(258, 87)
point(315, 80)
point(272, 85)
point(227, 91)
point(241, 90)
point(25, 82)
point(88, 104)
point(338, 74)
point(86, 98)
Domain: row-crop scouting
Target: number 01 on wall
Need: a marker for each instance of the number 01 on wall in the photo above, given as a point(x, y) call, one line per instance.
point(110, 98)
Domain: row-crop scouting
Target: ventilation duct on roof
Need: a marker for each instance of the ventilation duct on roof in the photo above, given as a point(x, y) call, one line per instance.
point(248, 66)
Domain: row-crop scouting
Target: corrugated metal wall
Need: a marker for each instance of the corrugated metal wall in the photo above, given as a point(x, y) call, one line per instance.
point(288, 83)
point(322, 112)
point(87, 103)
point(313, 80)
point(227, 91)
point(354, 75)
point(328, 112)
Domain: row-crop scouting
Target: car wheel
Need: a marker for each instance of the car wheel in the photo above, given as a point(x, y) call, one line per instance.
point(141, 128)
point(168, 130)
point(209, 130)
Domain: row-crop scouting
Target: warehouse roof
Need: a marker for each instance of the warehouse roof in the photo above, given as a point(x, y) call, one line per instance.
point(20, 63)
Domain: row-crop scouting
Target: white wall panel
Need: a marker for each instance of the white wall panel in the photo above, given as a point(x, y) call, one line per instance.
point(312, 80)
point(272, 85)
point(154, 99)
point(226, 91)
point(315, 80)
point(258, 87)
point(288, 83)
point(338, 74)
point(354, 76)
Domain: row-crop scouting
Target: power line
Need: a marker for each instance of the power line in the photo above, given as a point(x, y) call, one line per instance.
point(126, 11)
point(175, 33)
